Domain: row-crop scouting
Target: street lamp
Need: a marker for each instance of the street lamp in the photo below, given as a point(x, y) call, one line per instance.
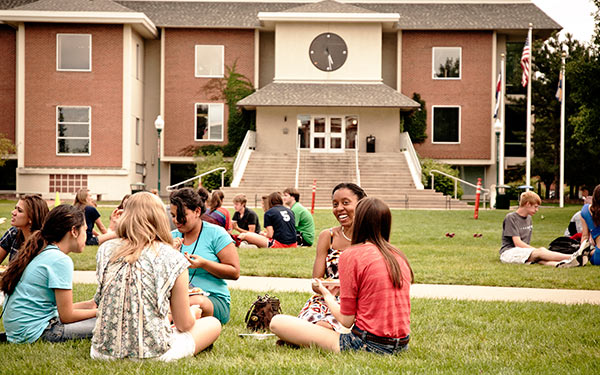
point(159, 124)
point(497, 130)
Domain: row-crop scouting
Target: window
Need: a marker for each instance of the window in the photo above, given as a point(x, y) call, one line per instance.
point(67, 183)
point(74, 52)
point(209, 122)
point(446, 124)
point(73, 130)
point(209, 61)
point(446, 62)
point(137, 131)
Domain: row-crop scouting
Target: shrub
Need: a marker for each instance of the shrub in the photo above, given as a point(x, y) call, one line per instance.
point(211, 160)
point(443, 184)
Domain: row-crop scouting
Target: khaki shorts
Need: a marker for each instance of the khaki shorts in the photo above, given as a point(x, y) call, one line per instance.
point(182, 345)
point(516, 255)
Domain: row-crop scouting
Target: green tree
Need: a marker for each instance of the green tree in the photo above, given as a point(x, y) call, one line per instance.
point(6, 148)
point(415, 122)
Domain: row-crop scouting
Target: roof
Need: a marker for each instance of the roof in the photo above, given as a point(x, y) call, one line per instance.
point(74, 6)
point(244, 14)
point(328, 6)
point(327, 95)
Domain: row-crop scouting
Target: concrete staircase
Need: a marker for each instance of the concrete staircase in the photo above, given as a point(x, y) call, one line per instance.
point(384, 175)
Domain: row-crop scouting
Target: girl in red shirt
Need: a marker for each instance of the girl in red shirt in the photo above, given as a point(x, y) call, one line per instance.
point(375, 280)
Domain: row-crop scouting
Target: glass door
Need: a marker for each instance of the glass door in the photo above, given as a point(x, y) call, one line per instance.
point(318, 134)
point(327, 133)
point(336, 133)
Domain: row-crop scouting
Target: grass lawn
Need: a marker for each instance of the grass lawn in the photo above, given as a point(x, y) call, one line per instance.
point(435, 259)
point(456, 337)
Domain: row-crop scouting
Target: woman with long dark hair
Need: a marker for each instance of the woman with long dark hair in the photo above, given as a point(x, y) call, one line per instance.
point(375, 280)
point(330, 245)
point(27, 217)
point(209, 249)
point(590, 227)
point(39, 283)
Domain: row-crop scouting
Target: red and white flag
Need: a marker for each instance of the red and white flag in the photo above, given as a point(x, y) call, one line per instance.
point(526, 63)
point(498, 93)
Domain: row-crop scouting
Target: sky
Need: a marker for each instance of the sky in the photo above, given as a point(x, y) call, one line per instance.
point(573, 15)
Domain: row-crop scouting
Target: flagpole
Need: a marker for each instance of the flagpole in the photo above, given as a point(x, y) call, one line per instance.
point(503, 87)
point(528, 136)
point(562, 132)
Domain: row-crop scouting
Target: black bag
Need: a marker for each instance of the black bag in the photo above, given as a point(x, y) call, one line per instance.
point(565, 245)
point(261, 312)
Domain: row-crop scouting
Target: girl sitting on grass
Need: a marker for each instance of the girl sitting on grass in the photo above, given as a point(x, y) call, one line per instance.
point(27, 217)
point(375, 280)
point(332, 242)
point(140, 277)
point(39, 283)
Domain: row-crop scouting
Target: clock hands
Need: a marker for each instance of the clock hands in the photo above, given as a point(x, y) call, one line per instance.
point(329, 59)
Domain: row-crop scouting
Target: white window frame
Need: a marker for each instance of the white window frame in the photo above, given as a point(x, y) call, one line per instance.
point(221, 107)
point(58, 68)
point(433, 124)
point(89, 123)
point(196, 74)
point(433, 67)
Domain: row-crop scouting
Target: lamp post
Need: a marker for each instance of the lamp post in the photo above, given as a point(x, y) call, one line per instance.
point(159, 124)
point(497, 130)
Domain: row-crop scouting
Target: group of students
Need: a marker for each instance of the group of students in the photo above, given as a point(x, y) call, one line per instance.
point(147, 306)
point(517, 229)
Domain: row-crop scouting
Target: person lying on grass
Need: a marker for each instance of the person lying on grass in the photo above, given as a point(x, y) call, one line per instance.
point(280, 226)
point(141, 278)
point(517, 228)
point(38, 283)
point(590, 227)
point(375, 280)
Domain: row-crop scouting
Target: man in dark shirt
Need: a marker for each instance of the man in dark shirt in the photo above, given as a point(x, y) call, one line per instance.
point(244, 219)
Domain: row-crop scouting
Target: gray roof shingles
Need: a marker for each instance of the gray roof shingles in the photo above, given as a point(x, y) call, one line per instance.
point(327, 95)
point(75, 6)
point(413, 16)
point(329, 6)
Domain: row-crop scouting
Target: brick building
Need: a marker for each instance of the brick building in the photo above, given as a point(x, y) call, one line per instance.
point(83, 81)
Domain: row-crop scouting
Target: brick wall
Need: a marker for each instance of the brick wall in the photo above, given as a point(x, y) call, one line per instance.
point(7, 81)
point(46, 88)
point(473, 92)
point(183, 89)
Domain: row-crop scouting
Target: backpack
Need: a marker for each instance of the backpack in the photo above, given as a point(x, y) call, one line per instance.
point(260, 313)
point(565, 245)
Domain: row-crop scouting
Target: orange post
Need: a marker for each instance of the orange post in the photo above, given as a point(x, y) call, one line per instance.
point(314, 193)
point(477, 196)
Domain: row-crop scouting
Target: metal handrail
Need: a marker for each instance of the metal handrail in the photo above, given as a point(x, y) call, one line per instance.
point(243, 155)
point(456, 179)
point(297, 160)
point(356, 158)
point(199, 177)
point(414, 165)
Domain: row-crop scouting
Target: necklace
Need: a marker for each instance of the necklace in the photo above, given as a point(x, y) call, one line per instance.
point(344, 234)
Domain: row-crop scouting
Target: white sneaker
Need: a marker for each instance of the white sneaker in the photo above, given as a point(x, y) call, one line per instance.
point(246, 245)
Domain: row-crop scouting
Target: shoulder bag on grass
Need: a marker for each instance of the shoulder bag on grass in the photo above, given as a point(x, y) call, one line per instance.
point(261, 312)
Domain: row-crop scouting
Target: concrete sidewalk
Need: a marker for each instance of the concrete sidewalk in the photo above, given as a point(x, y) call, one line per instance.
point(459, 292)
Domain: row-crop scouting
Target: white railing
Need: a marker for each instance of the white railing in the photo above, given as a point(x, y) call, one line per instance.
point(356, 158)
point(297, 160)
point(486, 192)
point(412, 159)
point(199, 178)
point(243, 155)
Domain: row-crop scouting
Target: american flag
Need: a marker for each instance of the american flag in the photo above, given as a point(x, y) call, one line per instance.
point(498, 93)
point(560, 88)
point(525, 63)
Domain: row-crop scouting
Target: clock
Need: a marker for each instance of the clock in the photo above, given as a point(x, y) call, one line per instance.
point(328, 52)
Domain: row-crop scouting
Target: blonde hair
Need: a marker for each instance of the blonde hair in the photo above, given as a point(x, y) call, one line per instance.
point(143, 222)
point(81, 198)
point(529, 197)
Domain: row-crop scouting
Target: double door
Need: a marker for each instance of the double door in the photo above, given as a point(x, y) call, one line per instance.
point(327, 134)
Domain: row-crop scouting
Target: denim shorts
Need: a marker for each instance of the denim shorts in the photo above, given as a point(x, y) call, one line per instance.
point(351, 341)
point(59, 332)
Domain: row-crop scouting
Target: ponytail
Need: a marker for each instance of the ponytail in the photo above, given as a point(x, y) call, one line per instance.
point(34, 245)
point(58, 223)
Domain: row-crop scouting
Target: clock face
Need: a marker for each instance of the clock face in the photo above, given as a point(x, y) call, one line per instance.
point(328, 52)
